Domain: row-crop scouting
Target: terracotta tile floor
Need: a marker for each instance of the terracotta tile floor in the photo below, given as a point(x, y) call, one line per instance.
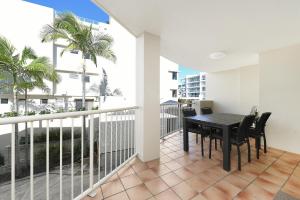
point(180, 175)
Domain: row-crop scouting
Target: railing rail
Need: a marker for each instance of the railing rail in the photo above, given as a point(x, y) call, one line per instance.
point(170, 119)
point(106, 142)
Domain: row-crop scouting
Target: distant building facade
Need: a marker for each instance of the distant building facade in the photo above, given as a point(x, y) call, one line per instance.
point(168, 80)
point(23, 28)
point(193, 86)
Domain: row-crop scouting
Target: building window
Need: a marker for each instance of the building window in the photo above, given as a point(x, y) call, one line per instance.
point(44, 101)
point(4, 101)
point(73, 76)
point(174, 75)
point(87, 79)
point(174, 93)
point(74, 51)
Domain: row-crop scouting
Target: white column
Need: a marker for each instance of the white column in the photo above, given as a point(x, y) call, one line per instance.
point(148, 97)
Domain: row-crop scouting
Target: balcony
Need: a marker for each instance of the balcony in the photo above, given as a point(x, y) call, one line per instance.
point(137, 152)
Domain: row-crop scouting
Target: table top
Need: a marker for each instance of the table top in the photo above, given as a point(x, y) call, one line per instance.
point(221, 119)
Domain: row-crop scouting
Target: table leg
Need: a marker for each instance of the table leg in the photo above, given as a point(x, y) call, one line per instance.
point(185, 137)
point(226, 148)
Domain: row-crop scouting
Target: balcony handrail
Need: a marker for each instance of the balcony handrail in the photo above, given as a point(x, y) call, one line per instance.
point(20, 119)
point(110, 145)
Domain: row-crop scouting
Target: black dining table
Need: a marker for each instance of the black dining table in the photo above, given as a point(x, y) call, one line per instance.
point(224, 121)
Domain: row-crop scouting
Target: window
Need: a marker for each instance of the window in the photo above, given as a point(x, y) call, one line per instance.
point(87, 79)
point(174, 75)
point(174, 93)
point(73, 76)
point(4, 101)
point(87, 56)
point(44, 101)
point(74, 51)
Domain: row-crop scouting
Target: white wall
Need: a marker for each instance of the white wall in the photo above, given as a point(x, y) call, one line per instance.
point(21, 23)
point(279, 94)
point(166, 81)
point(122, 74)
point(234, 91)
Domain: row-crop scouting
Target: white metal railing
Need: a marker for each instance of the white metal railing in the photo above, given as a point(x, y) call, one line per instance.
point(81, 150)
point(170, 119)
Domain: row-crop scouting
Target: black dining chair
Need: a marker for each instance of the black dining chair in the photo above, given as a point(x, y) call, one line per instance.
point(195, 128)
point(207, 111)
point(240, 136)
point(259, 131)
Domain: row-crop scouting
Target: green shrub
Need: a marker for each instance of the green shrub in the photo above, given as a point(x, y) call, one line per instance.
point(31, 113)
point(11, 114)
point(43, 112)
point(81, 109)
point(95, 108)
point(60, 110)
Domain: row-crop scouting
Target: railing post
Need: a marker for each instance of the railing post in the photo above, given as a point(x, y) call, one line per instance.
point(13, 146)
point(91, 150)
point(31, 161)
point(47, 160)
point(60, 159)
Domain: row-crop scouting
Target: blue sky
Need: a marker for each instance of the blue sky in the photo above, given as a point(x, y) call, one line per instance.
point(184, 71)
point(82, 8)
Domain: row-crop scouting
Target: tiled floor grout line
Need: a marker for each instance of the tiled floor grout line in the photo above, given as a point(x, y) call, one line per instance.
point(256, 177)
point(289, 176)
point(172, 147)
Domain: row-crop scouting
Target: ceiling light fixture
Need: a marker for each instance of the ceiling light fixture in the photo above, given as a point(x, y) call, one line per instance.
point(217, 55)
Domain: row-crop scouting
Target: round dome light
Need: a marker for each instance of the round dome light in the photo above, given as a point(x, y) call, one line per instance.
point(217, 55)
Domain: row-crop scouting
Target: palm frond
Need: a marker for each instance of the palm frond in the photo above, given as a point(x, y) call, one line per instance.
point(27, 53)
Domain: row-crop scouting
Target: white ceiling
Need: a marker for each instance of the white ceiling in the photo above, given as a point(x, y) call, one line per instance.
point(192, 29)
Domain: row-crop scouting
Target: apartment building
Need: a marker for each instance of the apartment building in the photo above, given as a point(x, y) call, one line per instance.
point(29, 18)
point(193, 86)
point(168, 80)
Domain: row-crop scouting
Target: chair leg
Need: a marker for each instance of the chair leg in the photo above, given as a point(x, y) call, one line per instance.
point(265, 143)
point(196, 138)
point(239, 157)
point(257, 147)
point(209, 148)
point(249, 150)
point(216, 145)
point(202, 148)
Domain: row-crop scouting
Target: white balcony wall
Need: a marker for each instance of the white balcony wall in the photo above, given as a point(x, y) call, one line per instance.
point(234, 91)
point(21, 23)
point(122, 73)
point(71, 85)
point(279, 94)
point(167, 84)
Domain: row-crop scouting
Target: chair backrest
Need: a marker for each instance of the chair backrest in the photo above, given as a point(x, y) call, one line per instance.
point(244, 127)
point(206, 111)
point(188, 112)
point(261, 122)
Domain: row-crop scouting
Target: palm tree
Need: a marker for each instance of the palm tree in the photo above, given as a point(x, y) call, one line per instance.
point(21, 72)
point(79, 37)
